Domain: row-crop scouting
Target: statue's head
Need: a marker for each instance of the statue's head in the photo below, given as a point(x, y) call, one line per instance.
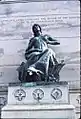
point(36, 29)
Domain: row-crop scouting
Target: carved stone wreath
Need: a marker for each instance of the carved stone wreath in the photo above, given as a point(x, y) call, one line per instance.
point(38, 94)
point(20, 94)
point(56, 93)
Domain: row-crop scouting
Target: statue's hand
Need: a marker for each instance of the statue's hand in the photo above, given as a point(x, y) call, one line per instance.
point(56, 43)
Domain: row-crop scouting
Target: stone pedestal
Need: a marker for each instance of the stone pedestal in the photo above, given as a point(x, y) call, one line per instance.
point(42, 100)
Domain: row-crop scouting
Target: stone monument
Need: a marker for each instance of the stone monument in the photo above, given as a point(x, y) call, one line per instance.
point(40, 95)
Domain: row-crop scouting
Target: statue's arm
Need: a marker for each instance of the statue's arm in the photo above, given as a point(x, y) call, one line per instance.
point(51, 41)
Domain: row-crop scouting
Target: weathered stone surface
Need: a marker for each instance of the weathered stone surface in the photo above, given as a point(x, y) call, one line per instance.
point(32, 93)
point(38, 100)
point(39, 111)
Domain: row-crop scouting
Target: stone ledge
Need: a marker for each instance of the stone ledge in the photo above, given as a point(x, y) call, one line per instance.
point(37, 107)
point(38, 83)
point(38, 111)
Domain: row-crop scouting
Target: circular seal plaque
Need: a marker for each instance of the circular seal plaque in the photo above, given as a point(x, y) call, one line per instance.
point(38, 94)
point(56, 93)
point(20, 94)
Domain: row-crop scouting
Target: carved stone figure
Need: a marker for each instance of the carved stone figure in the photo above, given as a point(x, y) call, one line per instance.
point(41, 63)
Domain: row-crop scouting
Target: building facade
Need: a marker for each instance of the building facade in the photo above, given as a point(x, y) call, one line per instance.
point(60, 19)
